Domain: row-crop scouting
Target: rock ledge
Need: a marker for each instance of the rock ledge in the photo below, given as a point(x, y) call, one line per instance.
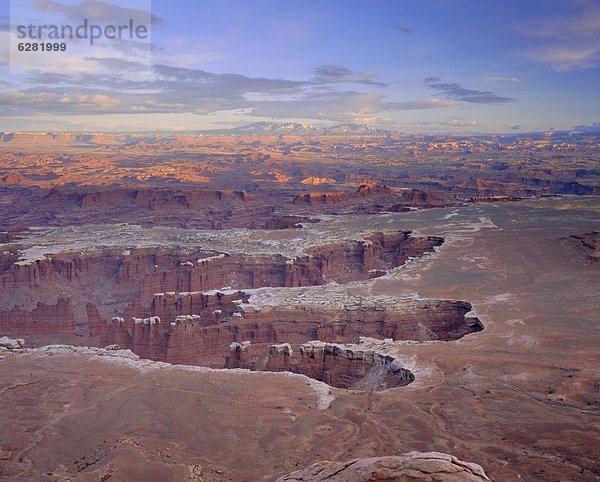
point(429, 466)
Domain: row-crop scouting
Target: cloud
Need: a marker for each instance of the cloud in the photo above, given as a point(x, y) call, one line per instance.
point(120, 89)
point(183, 59)
point(516, 127)
point(224, 83)
point(107, 85)
point(403, 29)
point(504, 78)
point(34, 101)
point(422, 104)
point(114, 64)
point(565, 58)
point(122, 86)
point(172, 89)
point(129, 48)
point(100, 11)
point(568, 42)
point(348, 106)
point(457, 92)
point(332, 74)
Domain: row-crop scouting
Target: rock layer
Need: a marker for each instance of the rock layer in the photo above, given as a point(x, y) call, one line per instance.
point(333, 197)
point(363, 366)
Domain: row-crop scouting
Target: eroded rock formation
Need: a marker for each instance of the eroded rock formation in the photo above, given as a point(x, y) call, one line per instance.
point(426, 466)
point(363, 365)
point(416, 198)
point(222, 329)
point(333, 197)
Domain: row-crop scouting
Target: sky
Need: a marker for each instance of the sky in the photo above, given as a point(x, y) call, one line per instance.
point(410, 66)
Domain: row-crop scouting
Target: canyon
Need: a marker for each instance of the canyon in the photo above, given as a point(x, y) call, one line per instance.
point(169, 304)
point(128, 277)
point(198, 328)
point(330, 302)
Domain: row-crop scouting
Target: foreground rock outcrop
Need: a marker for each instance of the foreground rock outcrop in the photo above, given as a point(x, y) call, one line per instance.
point(427, 466)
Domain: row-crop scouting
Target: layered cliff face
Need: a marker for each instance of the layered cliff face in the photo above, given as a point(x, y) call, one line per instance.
point(155, 198)
point(364, 365)
point(372, 189)
point(344, 262)
point(417, 198)
point(332, 197)
point(64, 205)
point(56, 319)
point(103, 282)
point(222, 329)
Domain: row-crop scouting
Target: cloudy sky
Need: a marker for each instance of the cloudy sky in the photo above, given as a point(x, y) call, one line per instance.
point(411, 66)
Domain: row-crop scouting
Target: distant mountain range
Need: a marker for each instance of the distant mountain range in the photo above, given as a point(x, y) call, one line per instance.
point(580, 132)
point(297, 129)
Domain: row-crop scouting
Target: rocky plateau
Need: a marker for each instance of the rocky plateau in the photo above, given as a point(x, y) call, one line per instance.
point(297, 304)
